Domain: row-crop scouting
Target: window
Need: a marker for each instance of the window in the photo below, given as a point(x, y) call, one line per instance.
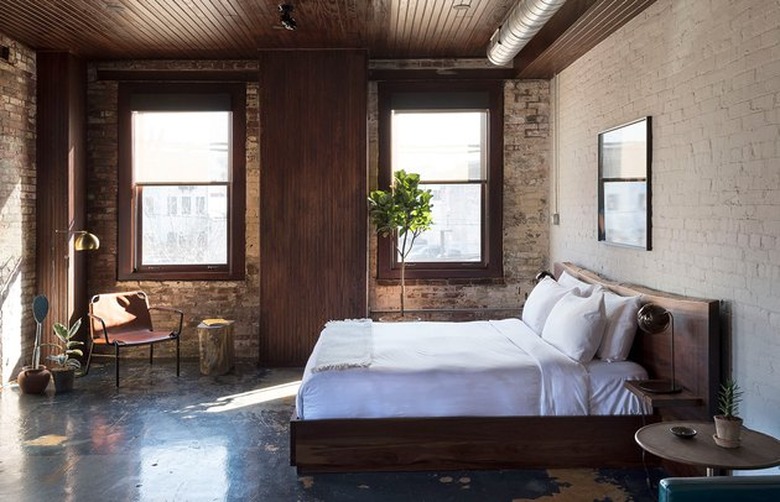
point(179, 142)
point(452, 136)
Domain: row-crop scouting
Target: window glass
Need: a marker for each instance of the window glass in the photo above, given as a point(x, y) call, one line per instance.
point(445, 147)
point(456, 233)
point(180, 146)
point(440, 145)
point(175, 238)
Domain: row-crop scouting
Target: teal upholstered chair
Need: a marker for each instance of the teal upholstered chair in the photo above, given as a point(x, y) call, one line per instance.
point(720, 489)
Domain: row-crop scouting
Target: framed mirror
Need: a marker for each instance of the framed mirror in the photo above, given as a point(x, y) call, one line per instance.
point(624, 184)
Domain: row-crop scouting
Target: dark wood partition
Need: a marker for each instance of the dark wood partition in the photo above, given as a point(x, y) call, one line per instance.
point(313, 184)
point(61, 186)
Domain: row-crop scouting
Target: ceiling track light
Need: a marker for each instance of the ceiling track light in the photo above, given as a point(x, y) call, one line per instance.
point(285, 17)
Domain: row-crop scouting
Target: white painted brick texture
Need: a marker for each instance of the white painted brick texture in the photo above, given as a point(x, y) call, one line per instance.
point(708, 72)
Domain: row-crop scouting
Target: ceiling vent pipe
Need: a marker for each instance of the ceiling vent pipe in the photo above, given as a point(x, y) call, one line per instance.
point(521, 24)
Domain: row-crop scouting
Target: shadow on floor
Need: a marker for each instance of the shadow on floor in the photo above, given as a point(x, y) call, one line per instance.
point(199, 438)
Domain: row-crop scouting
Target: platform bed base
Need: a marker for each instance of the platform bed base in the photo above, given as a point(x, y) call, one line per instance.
point(455, 443)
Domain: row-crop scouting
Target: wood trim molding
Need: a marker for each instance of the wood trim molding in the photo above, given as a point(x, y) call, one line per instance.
point(178, 75)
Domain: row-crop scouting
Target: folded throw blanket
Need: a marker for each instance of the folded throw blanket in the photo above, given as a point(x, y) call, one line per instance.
point(344, 345)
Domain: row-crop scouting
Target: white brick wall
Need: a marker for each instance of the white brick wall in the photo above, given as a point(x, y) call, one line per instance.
point(708, 72)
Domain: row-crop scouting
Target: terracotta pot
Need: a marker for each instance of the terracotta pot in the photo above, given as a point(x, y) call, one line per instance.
point(33, 381)
point(727, 431)
point(63, 379)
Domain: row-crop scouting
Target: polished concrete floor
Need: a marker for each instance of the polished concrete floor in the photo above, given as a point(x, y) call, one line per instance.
point(197, 437)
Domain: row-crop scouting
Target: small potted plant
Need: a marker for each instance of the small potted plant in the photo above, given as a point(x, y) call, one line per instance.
point(35, 378)
point(728, 424)
point(403, 213)
point(65, 371)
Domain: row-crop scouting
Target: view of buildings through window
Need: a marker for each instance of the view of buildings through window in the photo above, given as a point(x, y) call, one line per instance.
point(448, 150)
point(181, 170)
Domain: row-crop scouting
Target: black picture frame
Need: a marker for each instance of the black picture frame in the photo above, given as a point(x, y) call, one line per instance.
point(625, 155)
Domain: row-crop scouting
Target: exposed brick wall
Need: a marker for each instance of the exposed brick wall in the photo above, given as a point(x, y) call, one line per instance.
point(17, 206)
point(525, 232)
point(709, 75)
point(237, 300)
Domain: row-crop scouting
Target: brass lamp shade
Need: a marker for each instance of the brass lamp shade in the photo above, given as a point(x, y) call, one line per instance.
point(85, 241)
point(654, 319)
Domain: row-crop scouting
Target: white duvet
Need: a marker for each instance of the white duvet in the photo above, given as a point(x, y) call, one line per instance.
point(434, 369)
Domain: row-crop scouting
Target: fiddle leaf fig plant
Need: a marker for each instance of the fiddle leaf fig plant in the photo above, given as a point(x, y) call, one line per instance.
point(67, 346)
point(403, 213)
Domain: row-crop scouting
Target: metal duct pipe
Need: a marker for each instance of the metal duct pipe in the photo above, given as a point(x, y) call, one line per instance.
point(521, 24)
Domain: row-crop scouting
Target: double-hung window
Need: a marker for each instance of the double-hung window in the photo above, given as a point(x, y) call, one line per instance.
point(451, 134)
point(180, 143)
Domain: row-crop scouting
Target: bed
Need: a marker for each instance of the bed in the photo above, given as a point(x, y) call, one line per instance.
point(374, 412)
point(474, 368)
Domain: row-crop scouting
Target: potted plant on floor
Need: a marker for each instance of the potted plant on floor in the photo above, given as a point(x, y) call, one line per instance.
point(35, 378)
point(65, 371)
point(728, 424)
point(403, 213)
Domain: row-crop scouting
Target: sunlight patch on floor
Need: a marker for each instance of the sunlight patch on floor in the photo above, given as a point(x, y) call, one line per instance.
point(47, 440)
point(253, 397)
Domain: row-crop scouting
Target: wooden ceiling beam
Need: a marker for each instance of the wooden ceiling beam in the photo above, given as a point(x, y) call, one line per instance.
point(602, 19)
point(178, 75)
point(448, 74)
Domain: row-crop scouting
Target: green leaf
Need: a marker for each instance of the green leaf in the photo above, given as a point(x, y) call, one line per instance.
point(65, 335)
point(406, 208)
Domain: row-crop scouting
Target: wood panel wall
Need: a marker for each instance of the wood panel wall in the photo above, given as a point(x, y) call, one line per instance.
point(61, 186)
point(313, 187)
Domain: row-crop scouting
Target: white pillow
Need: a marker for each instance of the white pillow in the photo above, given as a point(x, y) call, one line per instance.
point(540, 302)
point(576, 325)
point(569, 281)
point(621, 326)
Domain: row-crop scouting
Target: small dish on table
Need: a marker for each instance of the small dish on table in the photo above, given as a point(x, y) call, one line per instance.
point(683, 432)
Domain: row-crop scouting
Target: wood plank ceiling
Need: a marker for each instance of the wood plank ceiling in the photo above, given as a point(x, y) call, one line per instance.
point(237, 29)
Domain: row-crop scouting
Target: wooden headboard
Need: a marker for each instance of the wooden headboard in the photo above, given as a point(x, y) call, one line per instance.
point(697, 336)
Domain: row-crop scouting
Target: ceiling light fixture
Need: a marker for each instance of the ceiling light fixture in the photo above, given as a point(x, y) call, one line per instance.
point(521, 24)
point(461, 4)
point(285, 16)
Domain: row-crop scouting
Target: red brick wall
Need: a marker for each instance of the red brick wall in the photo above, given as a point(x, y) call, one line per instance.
point(17, 206)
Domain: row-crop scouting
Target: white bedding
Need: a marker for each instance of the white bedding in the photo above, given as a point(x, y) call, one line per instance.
point(479, 368)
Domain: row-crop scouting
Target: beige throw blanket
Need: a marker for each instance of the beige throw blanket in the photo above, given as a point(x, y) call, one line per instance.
point(343, 345)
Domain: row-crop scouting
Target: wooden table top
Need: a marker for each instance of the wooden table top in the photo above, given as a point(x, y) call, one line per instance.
point(756, 451)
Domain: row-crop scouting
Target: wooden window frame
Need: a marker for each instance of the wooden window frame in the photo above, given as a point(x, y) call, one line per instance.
point(491, 266)
point(129, 221)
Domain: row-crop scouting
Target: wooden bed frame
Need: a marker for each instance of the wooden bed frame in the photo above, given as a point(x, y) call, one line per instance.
point(450, 443)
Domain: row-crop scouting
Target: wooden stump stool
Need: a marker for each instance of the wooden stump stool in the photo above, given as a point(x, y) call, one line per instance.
point(215, 337)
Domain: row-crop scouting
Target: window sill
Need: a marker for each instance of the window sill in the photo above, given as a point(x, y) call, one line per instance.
point(465, 281)
point(180, 276)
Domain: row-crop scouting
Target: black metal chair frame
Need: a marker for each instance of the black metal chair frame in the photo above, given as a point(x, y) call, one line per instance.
point(118, 344)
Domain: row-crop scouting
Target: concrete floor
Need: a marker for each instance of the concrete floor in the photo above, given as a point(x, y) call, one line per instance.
point(196, 438)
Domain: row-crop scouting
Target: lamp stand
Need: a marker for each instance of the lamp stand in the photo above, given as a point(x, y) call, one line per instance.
point(663, 386)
